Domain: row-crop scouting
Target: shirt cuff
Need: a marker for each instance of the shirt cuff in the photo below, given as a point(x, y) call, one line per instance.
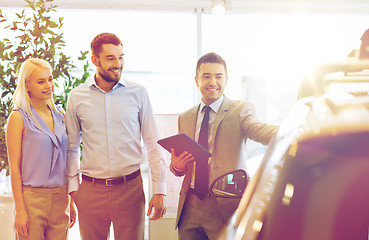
point(73, 184)
point(159, 188)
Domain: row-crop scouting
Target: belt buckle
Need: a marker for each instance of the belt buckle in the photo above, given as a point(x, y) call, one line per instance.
point(107, 182)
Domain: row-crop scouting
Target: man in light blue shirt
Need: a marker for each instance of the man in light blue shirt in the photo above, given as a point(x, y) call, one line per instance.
point(112, 115)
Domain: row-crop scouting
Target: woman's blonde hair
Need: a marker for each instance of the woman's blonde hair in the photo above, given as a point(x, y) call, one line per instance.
point(21, 97)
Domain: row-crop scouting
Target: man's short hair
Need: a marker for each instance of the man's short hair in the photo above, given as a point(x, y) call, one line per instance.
point(210, 58)
point(103, 38)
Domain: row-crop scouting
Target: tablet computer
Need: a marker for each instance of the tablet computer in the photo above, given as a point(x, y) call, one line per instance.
point(182, 142)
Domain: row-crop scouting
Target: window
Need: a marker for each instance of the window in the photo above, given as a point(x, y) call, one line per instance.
point(159, 50)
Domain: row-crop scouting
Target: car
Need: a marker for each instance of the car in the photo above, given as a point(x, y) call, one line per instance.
point(313, 182)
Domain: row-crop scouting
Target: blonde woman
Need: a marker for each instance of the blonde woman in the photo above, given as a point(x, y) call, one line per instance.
point(37, 147)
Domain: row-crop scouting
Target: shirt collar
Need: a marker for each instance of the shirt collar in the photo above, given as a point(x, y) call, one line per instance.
point(215, 105)
point(92, 82)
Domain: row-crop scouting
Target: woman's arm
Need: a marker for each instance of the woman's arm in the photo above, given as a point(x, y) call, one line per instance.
point(14, 135)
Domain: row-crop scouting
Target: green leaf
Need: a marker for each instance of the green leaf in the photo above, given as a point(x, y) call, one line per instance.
point(6, 92)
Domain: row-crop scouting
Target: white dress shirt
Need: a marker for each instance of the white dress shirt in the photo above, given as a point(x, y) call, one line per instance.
point(111, 126)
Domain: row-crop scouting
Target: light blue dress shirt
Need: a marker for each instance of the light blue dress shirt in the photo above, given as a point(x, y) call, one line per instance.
point(111, 126)
point(44, 153)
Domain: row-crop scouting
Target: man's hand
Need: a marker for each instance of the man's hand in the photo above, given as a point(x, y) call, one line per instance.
point(72, 195)
point(179, 162)
point(73, 213)
point(158, 203)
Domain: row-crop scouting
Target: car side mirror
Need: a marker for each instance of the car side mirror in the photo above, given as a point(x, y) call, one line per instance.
point(229, 185)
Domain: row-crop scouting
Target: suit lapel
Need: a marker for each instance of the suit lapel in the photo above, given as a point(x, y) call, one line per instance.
point(188, 123)
point(188, 126)
point(223, 111)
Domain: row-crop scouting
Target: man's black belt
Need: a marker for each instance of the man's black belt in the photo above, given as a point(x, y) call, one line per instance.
point(112, 181)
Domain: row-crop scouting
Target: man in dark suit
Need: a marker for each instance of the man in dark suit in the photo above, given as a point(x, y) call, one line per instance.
point(230, 124)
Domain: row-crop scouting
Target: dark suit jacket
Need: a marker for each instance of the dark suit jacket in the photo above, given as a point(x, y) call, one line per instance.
point(234, 124)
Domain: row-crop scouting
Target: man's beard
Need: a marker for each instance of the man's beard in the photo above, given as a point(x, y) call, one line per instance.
point(104, 75)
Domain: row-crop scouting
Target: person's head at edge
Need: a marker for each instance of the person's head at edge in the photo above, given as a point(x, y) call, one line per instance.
point(107, 56)
point(34, 84)
point(211, 77)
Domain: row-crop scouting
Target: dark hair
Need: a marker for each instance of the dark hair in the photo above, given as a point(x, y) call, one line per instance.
point(210, 58)
point(103, 38)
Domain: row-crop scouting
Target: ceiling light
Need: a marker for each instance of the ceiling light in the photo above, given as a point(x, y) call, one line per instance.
point(218, 7)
